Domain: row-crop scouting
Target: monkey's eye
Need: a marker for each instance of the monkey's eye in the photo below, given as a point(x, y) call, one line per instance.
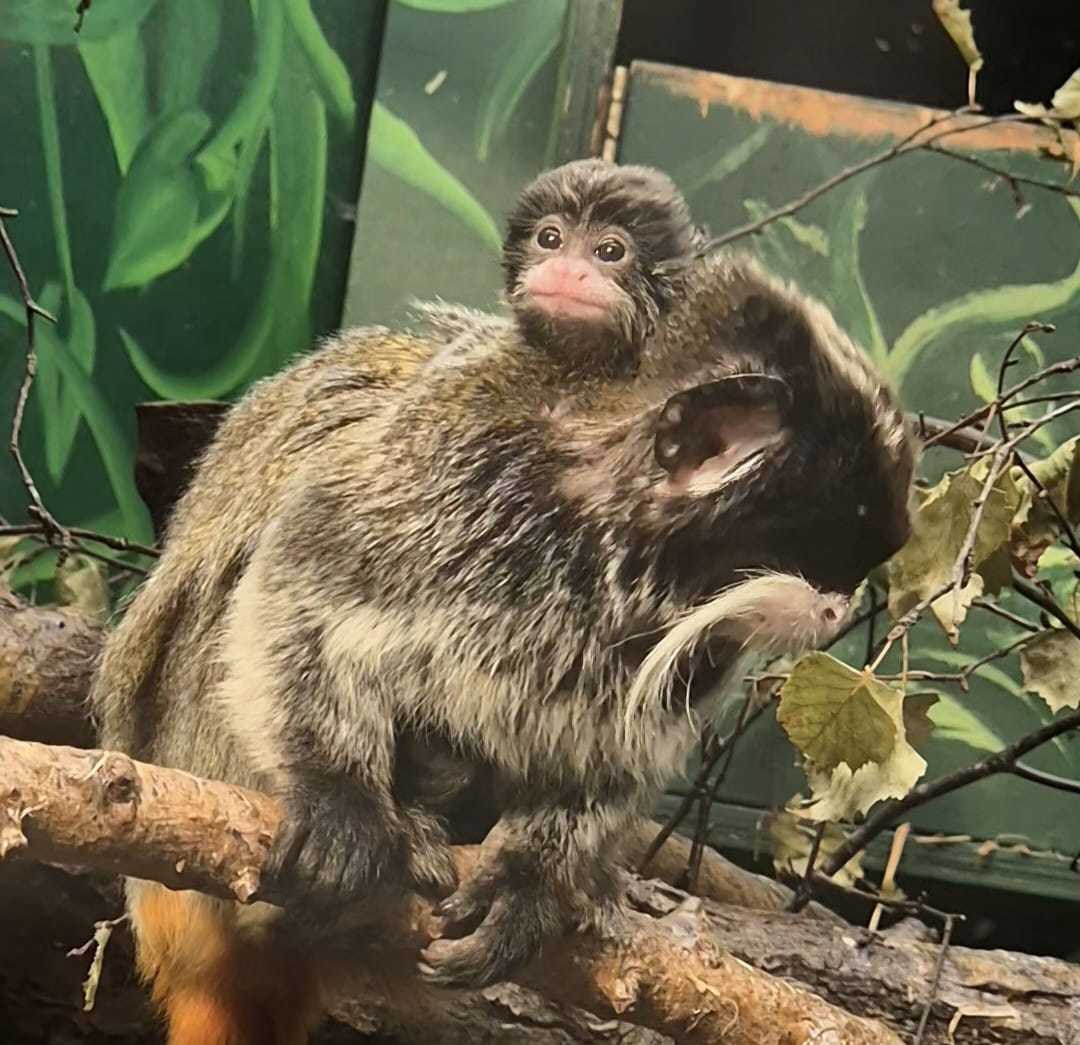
point(610, 250)
point(549, 237)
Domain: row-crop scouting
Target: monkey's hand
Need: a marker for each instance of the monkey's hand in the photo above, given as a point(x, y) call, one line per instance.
point(335, 842)
point(522, 894)
point(492, 924)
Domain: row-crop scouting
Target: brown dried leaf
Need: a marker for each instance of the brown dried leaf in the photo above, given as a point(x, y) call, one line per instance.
point(1050, 666)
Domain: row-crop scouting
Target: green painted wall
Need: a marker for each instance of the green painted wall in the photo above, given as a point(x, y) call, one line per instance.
point(186, 176)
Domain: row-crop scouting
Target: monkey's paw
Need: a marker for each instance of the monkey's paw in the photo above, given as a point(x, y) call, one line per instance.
point(333, 844)
point(511, 933)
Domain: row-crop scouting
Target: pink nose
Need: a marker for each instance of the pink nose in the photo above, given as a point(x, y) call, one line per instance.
point(560, 276)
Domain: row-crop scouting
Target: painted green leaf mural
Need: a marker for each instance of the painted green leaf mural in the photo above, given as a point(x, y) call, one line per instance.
point(60, 407)
point(541, 27)
point(157, 208)
point(116, 67)
point(394, 145)
point(53, 22)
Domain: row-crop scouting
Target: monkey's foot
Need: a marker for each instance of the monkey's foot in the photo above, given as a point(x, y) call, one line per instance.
point(335, 843)
point(511, 933)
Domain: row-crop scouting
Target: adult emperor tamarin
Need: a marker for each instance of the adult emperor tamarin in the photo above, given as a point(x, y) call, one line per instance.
point(419, 570)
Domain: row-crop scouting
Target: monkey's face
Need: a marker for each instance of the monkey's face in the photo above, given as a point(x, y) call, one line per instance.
point(580, 255)
point(575, 288)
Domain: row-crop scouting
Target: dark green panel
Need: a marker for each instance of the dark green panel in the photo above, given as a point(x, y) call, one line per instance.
point(185, 175)
point(928, 264)
point(473, 100)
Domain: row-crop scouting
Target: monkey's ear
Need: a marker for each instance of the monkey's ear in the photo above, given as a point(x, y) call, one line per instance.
point(704, 433)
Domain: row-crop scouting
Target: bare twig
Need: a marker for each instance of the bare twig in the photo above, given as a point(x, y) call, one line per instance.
point(1045, 602)
point(119, 544)
point(961, 677)
point(1014, 180)
point(1031, 327)
point(1004, 614)
point(1067, 530)
point(701, 782)
point(815, 848)
point(887, 813)
point(925, 137)
point(1064, 366)
point(888, 879)
point(53, 530)
point(1044, 779)
point(935, 985)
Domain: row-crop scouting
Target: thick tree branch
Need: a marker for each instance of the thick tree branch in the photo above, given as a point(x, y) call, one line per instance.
point(107, 811)
point(46, 659)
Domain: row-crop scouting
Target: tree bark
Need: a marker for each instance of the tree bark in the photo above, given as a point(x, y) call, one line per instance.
point(107, 811)
point(47, 657)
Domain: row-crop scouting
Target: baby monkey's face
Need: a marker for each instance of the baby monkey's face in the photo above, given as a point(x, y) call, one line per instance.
point(580, 255)
point(576, 274)
point(580, 292)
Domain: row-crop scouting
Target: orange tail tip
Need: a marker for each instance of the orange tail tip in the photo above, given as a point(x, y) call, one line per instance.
point(215, 984)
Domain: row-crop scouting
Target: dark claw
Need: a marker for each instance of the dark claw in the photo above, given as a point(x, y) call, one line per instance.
point(511, 934)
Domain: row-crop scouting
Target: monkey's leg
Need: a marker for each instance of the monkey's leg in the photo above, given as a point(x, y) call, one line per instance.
point(221, 976)
point(545, 870)
point(318, 725)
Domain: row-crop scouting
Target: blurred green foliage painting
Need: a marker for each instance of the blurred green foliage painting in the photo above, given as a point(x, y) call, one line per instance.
point(172, 165)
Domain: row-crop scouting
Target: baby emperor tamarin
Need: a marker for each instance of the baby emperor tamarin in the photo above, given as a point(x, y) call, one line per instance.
point(416, 575)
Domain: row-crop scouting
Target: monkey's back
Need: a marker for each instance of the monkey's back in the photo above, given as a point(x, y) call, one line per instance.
point(153, 693)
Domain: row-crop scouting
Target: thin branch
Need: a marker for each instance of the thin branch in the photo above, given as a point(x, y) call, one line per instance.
point(1066, 526)
point(1045, 602)
point(935, 986)
point(886, 814)
point(120, 544)
point(1064, 366)
point(700, 783)
point(1050, 397)
point(1031, 327)
point(1014, 180)
point(1004, 614)
point(965, 559)
point(961, 677)
point(53, 530)
point(924, 137)
point(815, 848)
point(1051, 780)
point(708, 798)
point(1028, 430)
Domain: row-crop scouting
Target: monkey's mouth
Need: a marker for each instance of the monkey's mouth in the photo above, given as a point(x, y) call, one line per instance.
point(559, 305)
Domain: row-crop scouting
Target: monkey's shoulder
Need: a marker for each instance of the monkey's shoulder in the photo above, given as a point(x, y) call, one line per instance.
point(444, 322)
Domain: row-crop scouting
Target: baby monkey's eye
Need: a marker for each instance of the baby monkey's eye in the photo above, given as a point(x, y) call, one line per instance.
point(610, 250)
point(549, 237)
